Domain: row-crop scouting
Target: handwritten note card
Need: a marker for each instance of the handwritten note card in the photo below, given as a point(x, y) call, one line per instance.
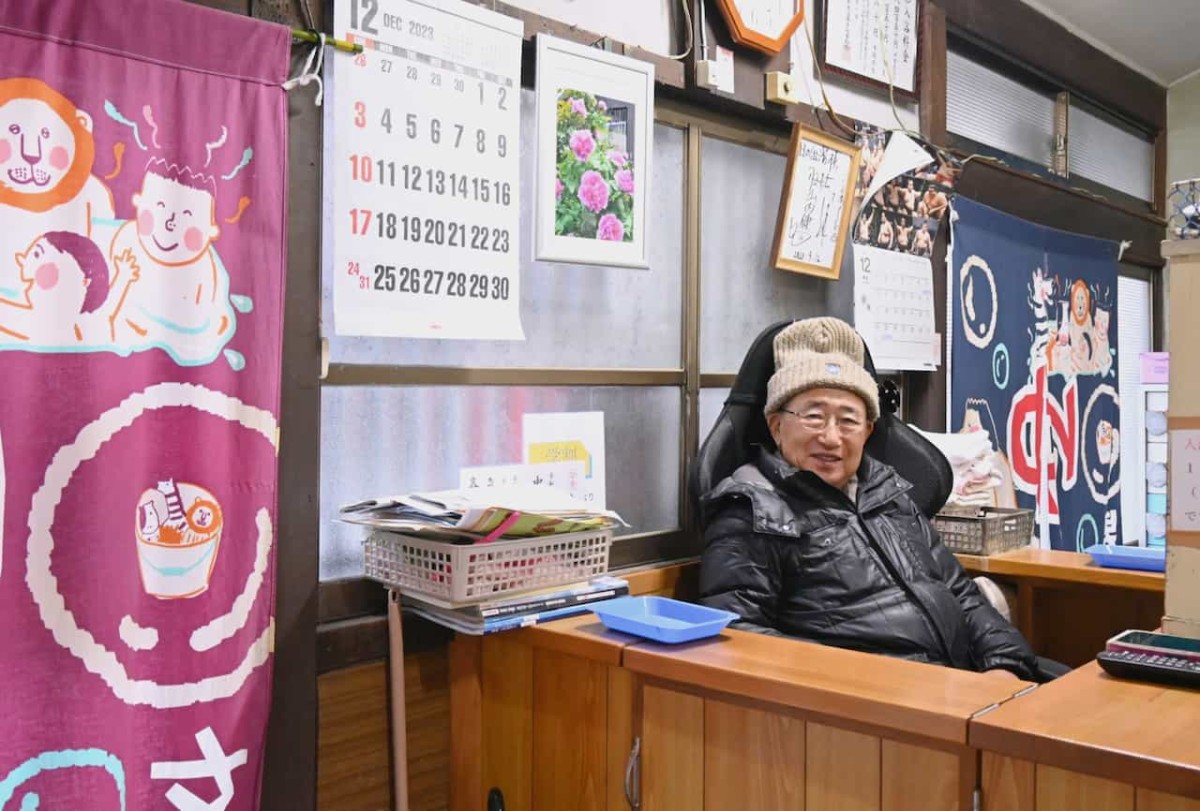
point(893, 309)
point(815, 209)
point(1185, 481)
point(874, 39)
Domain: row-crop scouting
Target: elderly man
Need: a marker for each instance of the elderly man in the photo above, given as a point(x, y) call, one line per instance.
point(819, 541)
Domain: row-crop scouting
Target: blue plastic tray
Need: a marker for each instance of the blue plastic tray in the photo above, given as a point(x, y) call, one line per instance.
point(1128, 557)
point(662, 619)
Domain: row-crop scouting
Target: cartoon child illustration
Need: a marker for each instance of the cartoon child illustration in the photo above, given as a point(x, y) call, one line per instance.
point(1080, 329)
point(66, 281)
point(179, 299)
point(46, 162)
point(1108, 450)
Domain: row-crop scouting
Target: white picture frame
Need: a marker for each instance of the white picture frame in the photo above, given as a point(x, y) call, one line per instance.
point(600, 213)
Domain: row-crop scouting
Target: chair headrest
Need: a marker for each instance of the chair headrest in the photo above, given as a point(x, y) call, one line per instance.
point(741, 426)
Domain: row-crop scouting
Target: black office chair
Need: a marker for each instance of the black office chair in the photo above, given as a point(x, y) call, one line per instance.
point(741, 425)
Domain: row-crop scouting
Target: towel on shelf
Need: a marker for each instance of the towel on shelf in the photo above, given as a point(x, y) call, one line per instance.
point(973, 461)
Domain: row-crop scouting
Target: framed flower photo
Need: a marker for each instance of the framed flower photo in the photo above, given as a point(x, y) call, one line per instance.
point(595, 116)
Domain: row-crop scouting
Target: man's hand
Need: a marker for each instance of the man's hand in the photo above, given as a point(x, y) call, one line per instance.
point(1003, 675)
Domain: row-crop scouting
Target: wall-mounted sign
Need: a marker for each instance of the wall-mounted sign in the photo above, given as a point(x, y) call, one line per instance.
point(764, 25)
point(873, 41)
point(814, 209)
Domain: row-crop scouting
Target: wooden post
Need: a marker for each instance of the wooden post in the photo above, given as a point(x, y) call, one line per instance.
point(399, 725)
point(1183, 420)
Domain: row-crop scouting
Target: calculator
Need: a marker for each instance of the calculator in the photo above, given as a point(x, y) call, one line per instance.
point(1147, 666)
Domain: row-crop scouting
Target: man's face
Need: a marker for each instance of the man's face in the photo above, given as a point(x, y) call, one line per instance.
point(823, 431)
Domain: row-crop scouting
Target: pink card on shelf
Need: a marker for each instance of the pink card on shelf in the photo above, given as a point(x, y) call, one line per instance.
point(1155, 367)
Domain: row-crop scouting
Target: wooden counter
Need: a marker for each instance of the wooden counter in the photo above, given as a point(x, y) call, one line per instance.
point(1061, 567)
point(889, 694)
point(1066, 606)
point(1123, 744)
point(749, 721)
point(545, 714)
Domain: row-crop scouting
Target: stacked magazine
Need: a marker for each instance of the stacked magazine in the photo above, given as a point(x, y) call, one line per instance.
point(521, 610)
point(480, 514)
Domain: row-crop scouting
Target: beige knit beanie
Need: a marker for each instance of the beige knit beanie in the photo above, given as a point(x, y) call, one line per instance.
point(820, 353)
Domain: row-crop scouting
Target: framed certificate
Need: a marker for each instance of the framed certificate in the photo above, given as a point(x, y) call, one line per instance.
point(876, 42)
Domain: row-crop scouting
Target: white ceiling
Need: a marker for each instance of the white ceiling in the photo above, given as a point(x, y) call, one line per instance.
point(1157, 38)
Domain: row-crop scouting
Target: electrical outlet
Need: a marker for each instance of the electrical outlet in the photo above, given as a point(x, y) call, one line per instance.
point(782, 88)
point(717, 74)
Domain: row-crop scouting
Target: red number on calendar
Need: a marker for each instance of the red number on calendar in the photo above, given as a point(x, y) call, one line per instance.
point(360, 60)
point(360, 221)
point(360, 115)
point(352, 268)
point(361, 168)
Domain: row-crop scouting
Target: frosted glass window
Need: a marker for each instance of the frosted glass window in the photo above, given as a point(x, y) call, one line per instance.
point(991, 109)
point(1134, 336)
point(1110, 155)
point(740, 293)
point(574, 316)
point(381, 440)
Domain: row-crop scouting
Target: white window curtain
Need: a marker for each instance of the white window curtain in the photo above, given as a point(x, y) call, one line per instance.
point(1110, 155)
point(1134, 336)
point(992, 109)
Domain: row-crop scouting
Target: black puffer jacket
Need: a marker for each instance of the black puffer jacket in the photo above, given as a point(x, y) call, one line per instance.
point(792, 555)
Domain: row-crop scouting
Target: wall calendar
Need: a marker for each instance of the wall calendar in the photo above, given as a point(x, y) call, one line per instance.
point(422, 202)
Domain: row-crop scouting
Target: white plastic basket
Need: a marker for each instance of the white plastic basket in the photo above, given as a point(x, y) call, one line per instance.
point(472, 573)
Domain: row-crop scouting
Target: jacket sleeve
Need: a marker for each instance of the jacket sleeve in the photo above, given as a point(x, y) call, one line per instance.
point(995, 643)
point(740, 570)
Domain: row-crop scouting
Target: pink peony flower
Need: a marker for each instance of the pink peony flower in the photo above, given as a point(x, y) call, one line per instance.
point(610, 228)
point(582, 144)
point(618, 158)
point(579, 107)
point(558, 187)
point(603, 107)
point(593, 191)
point(624, 179)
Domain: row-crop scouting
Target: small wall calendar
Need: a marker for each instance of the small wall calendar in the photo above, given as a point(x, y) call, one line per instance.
point(422, 224)
point(893, 309)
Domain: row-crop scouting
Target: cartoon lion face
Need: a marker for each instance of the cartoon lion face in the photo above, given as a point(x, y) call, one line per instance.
point(46, 146)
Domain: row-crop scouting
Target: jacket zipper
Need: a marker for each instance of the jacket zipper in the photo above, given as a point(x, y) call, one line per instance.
point(912, 595)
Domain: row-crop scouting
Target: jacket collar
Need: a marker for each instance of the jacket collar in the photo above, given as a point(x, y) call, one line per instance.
point(766, 479)
point(878, 483)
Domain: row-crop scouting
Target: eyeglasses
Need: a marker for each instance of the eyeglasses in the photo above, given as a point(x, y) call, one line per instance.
point(816, 422)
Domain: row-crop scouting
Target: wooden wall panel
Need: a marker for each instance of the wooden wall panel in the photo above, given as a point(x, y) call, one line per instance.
point(1154, 801)
point(508, 720)
point(1009, 784)
point(672, 770)
point(843, 770)
point(752, 759)
point(570, 744)
point(1059, 790)
point(915, 778)
point(354, 746)
point(353, 754)
point(427, 707)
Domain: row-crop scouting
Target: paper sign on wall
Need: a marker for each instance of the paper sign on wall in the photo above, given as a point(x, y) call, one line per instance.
point(569, 437)
point(565, 476)
point(1185, 481)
